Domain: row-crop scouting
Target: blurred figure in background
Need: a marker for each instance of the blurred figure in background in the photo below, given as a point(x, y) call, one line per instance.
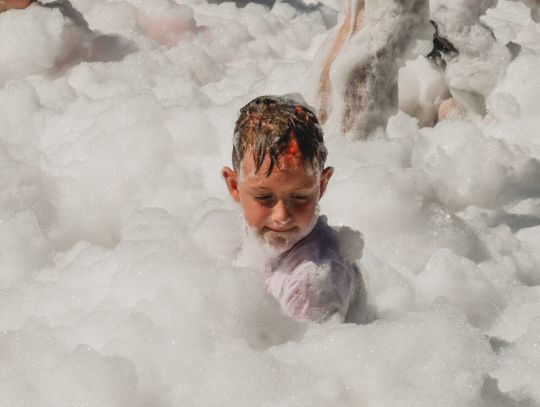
point(357, 90)
point(467, 53)
point(357, 84)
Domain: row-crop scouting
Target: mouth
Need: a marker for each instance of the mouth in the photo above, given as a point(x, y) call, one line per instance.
point(269, 229)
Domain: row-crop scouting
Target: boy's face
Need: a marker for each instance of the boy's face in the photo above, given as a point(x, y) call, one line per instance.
point(280, 208)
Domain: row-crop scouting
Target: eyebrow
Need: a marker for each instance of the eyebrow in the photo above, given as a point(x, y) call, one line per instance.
point(258, 189)
point(298, 189)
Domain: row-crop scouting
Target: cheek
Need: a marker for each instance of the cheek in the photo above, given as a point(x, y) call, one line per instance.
point(304, 214)
point(254, 213)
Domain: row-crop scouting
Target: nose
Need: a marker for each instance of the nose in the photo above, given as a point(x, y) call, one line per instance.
point(280, 213)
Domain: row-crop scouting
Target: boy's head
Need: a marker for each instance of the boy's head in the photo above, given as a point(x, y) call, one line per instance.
point(279, 176)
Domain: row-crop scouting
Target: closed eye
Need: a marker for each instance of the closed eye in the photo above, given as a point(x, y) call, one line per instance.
point(299, 197)
point(263, 198)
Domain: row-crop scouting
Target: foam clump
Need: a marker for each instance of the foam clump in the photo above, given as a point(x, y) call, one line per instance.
point(129, 130)
point(459, 281)
point(165, 21)
point(209, 233)
point(517, 370)
point(523, 91)
point(21, 105)
point(529, 240)
point(424, 358)
point(85, 376)
point(494, 173)
point(25, 248)
point(30, 41)
point(421, 90)
point(522, 310)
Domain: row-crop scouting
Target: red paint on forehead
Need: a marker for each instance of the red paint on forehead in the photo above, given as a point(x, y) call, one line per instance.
point(291, 156)
point(292, 147)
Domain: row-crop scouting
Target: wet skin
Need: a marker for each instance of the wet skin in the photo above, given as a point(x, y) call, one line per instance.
point(280, 208)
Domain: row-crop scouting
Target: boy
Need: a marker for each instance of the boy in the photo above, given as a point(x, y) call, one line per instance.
point(278, 178)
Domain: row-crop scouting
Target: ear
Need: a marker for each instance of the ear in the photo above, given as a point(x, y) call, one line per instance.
point(232, 182)
point(325, 177)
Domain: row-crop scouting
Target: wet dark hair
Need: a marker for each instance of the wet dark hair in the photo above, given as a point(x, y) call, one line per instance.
point(269, 124)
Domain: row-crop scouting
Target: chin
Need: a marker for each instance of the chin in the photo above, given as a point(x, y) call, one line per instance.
point(275, 243)
point(283, 241)
point(280, 241)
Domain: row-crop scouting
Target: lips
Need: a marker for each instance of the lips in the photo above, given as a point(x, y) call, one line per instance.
point(280, 230)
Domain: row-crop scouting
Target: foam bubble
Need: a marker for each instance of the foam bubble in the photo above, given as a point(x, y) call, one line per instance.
point(39, 31)
point(517, 372)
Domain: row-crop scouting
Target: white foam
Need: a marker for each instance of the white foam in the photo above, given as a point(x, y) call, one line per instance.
point(120, 276)
point(30, 41)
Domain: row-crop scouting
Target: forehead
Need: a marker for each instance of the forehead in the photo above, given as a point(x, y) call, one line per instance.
point(290, 172)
